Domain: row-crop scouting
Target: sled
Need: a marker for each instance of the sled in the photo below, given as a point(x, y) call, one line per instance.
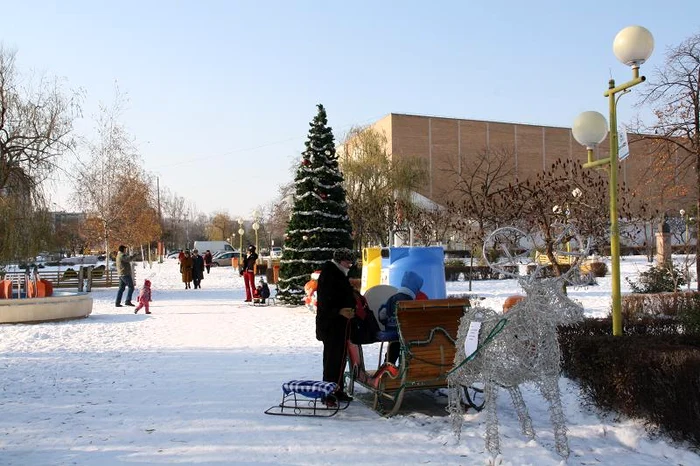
point(308, 398)
point(427, 333)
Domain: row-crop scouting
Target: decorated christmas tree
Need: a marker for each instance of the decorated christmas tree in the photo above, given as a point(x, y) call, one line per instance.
point(319, 224)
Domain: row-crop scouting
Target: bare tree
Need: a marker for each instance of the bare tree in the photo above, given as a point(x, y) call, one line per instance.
point(475, 205)
point(36, 125)
point(564, 194)
point(432, 225)
point(276, 216)
point(220, 226)
point(378, 187)
point(173, 208)
point(476, 198)
point(136, 205)
point(195, 224)
point(674, 93)
point(113, 163)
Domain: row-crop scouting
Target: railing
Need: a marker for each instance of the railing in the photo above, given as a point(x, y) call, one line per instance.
point(82, 279)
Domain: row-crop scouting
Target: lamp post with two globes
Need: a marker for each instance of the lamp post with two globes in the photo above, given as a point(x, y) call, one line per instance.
point(240, 241)
point(686, 219)
point(256, 227)
point(632, 46)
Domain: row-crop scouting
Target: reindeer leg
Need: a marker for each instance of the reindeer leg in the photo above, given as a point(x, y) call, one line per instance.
point(492, 441)
point(454, 406)
point(525, 421)
point(549, 386)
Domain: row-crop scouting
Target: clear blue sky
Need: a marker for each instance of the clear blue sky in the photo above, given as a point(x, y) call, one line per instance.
point(221, 92)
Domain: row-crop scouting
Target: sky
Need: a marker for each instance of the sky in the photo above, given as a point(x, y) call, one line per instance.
point(189, 383)
point(220, 93)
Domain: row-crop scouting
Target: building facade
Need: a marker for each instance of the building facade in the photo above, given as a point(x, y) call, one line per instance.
point(447, 145)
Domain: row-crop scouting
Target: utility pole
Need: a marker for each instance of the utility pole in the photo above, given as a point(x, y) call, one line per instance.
point(161, 248)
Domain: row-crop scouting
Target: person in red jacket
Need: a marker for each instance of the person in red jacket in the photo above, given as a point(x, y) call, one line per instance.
point(144, 297)
point(248, 273)
point(207, 260)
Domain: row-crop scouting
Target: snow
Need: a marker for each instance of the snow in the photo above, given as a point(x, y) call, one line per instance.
point(189, 384)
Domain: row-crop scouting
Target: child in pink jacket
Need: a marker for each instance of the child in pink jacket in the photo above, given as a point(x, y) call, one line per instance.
point(144, 297)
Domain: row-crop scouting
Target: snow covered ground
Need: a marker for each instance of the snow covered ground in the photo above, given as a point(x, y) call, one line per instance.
point(189, 384)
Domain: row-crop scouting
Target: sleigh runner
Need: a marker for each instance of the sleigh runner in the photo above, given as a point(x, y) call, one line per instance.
point(427, 334)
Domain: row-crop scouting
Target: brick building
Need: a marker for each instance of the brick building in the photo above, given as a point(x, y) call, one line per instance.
point(448, 144)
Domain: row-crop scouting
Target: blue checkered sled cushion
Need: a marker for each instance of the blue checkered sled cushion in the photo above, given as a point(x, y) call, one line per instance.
point(309, 388)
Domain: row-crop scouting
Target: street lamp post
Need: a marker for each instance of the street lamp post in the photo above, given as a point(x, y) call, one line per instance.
point(685, 220)
point(632, 46)
point(256, 226)
point(576, 193)
point(240, 239)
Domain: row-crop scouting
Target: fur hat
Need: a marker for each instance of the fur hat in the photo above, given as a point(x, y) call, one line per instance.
point(343, 255)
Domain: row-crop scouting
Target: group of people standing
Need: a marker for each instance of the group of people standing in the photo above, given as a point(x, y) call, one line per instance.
point(192, 268)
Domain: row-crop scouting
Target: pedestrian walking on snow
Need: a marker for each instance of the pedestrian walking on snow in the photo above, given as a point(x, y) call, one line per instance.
point(144, 297)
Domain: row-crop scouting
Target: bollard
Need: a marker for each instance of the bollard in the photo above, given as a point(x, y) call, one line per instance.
point(81, 275)
point(88, 284)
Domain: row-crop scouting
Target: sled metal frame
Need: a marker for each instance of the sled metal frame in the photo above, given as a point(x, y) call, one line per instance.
point(427, 334)
point(296, 404)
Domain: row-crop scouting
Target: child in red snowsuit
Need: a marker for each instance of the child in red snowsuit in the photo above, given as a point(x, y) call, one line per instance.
point(144, 297)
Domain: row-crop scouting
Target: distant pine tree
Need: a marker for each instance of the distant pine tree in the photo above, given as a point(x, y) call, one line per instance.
point(319, 224)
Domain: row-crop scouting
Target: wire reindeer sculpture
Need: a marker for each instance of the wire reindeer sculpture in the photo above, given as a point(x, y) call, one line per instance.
point(505, 351)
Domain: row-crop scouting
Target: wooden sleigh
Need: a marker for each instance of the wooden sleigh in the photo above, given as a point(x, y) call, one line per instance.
point(427, 334)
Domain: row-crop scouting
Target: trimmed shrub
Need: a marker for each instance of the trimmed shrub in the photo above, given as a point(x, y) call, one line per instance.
point(653, 377)
point(658, 280)
point(637, 305)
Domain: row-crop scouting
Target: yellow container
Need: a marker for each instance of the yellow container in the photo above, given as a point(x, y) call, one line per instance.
point(371, 268)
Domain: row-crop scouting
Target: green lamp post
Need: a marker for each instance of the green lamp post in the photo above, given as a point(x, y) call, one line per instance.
point(240, 239)
point(256, 227)
point(632, 46)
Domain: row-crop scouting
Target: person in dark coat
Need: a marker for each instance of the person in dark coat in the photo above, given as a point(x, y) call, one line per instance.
point(208, 258)
point(262, 291)
point(126, 277)
point(335, 308)
point(248, 273)
point(197, 269)
point(186, 269)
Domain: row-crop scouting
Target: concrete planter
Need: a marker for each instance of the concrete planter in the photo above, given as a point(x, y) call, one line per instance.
point(62, 305)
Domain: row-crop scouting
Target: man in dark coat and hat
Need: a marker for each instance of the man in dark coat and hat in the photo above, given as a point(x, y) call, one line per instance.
point(197, 269)
point(335, 308)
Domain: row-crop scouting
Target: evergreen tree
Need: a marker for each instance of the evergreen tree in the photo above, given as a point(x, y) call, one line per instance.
point(319, 224)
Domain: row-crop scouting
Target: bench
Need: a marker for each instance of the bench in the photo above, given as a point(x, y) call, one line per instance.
point(427, 334)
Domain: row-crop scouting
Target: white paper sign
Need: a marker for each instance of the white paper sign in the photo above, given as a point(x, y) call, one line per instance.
point(471, 342)
point(623, 147)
